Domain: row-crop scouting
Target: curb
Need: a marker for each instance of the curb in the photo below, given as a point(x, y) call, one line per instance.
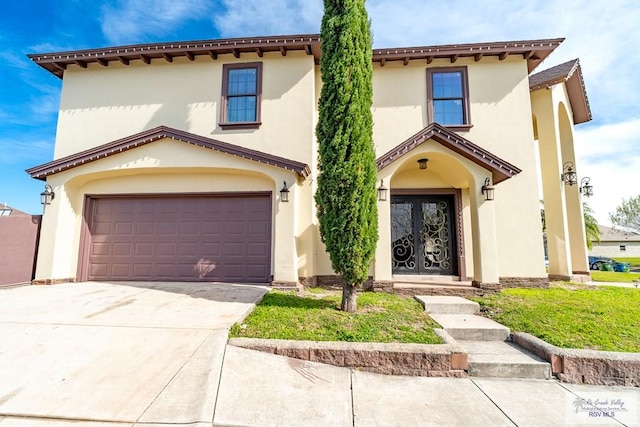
point(428, 360)
point(584, 366)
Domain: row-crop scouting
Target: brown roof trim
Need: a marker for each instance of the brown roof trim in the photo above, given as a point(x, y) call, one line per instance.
point(57, 62)
point(161, 132)
point(569, 73)
point(534, 51)
point(500, 169)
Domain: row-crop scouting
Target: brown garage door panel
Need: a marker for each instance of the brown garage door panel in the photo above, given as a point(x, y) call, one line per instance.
point(182, 238)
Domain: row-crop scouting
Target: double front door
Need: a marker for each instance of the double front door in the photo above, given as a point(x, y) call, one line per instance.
point(422, 235)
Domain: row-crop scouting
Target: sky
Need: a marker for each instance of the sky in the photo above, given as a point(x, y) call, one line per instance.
point(604, 38)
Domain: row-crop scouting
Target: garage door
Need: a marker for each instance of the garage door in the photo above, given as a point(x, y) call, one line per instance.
point(182, 238)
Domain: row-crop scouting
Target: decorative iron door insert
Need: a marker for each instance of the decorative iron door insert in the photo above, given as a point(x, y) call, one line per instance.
point(422, 235)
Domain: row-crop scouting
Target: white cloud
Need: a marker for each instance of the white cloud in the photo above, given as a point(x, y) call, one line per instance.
point(17, 150)
point(609, 155)
point(130, 21)
point(256, 18)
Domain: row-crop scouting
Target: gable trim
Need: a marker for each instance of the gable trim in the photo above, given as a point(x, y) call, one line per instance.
point(158, 133)
point(569, 73)
point(500, 169)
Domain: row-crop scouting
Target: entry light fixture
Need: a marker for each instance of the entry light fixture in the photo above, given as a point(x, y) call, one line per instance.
point(284, 193)
point(488, 190)
point(47, 195)
point(586, 188)
point(382, 192)
point(569, 175)
point(422, 163)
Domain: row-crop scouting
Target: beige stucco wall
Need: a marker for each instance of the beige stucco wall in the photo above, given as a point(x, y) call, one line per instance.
point(500, 113)
point(102, 104)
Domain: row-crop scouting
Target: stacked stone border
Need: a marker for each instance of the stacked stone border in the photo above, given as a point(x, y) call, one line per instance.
point(427, 360)
point(584, 366)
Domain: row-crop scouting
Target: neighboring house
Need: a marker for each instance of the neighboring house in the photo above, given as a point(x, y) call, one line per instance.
point(18, 245)
point(170, 159)
point(616, 243)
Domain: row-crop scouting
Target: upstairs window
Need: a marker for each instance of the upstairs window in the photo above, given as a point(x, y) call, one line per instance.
point(241, 95)
point(448, 97)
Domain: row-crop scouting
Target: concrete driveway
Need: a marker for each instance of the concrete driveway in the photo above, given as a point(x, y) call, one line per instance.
point(134, 354)
point(118, 353)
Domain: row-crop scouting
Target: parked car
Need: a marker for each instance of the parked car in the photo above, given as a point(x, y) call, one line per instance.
point(608, 264)
point(597, 262)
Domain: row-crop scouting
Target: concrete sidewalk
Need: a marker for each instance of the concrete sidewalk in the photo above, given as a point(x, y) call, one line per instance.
point(616, 284)
point(260, 389)
point(135, 354)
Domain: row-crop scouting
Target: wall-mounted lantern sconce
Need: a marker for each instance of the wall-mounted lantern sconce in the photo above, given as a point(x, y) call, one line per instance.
point(382, 192)
point(488, 190)
point(284, 193)
point(422, 163)
point(585, 187)
point(47, 195)
point(569, 175)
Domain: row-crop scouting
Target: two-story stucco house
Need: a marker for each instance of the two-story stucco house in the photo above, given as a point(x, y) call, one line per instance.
point(196, 161)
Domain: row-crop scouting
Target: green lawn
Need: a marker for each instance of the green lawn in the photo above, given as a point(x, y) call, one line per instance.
point(612, 276)
point(314, 316)
point(571, 316)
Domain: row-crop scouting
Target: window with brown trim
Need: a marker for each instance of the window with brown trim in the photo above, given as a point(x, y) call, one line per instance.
point(448, 97)
point(241, 95)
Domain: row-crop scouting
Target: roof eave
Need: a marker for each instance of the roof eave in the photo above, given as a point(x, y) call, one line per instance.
point(57, 62)
point(576, 91)
point(533, 51)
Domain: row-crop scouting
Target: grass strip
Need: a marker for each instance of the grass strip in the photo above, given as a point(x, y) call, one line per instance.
point(571, 316)
point(612, 276)
point(315, 316)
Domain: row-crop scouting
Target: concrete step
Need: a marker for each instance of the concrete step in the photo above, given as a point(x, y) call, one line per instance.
point(503, 360)
point(471, 327)
point(448, 305)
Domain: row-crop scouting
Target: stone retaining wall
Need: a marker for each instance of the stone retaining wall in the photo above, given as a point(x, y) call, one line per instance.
point(585, 366)
point(429, 360)
point(524, 282)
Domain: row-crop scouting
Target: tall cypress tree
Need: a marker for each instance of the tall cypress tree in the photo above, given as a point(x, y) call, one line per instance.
point(346, 195)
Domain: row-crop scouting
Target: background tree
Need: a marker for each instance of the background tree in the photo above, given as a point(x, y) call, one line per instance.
point(346, 195)
point(591, 229)
point(627, 214)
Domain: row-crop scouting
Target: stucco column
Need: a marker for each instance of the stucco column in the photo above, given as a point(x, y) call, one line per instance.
point(382, 263)
point(551, 168)
point(577, 240)
point(485, 244)
point(285, 258)
point(55, 261)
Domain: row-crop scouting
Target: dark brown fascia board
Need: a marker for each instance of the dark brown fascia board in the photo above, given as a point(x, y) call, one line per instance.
point(534, 51)
point(576, 88)
point(500, 169)
point(162, 132)
point(56, 62)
